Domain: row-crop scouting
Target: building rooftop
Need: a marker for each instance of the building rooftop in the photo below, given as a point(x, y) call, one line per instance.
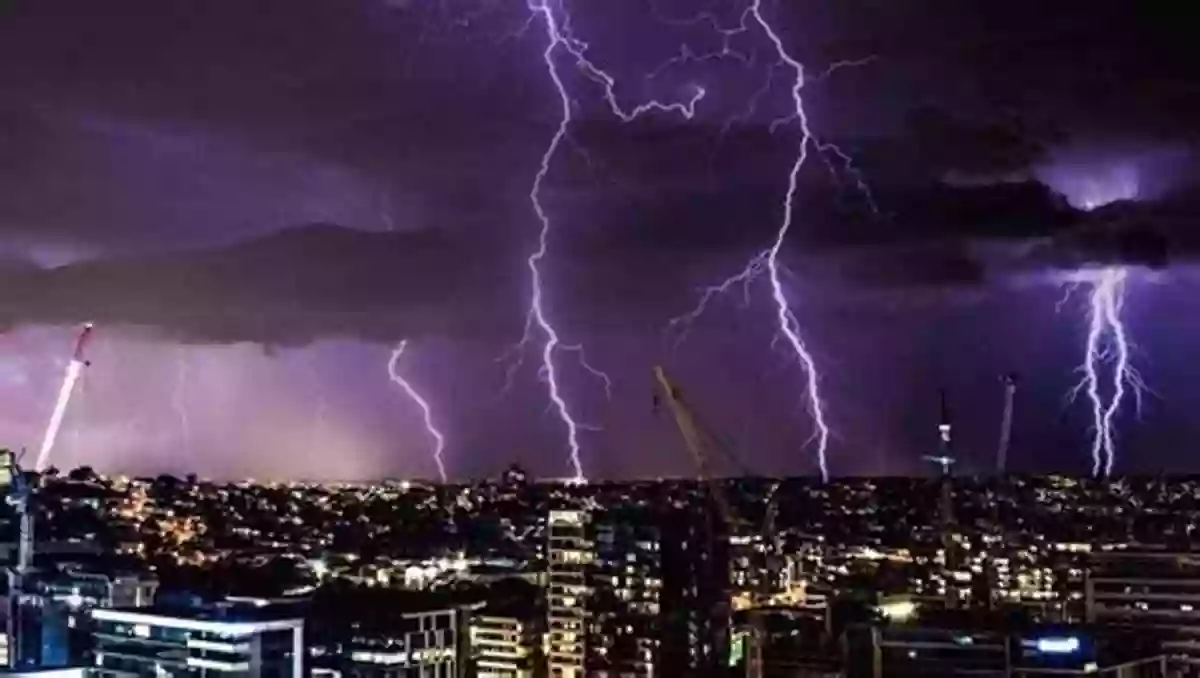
point(224, 612)
point(1102, 645)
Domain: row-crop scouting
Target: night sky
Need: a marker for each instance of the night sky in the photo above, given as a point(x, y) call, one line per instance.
point(256, 200)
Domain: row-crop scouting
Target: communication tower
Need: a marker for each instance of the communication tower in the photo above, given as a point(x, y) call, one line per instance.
point(944, 459)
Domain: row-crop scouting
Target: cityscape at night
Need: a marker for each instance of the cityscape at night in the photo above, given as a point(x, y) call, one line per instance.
point(621, 339)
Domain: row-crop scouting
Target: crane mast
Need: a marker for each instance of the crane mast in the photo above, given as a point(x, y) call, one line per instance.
point(19, 496)
point(1006, 422)
point(698, 445)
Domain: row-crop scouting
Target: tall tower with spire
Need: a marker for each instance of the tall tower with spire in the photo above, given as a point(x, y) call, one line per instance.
point(944, 459)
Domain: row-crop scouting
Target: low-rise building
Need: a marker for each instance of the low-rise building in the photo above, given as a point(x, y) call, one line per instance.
point(502, 646)
point(388, 633)
point(206, 641)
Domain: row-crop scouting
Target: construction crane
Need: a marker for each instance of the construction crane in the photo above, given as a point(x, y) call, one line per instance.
point(697, 443)
point(75, 367)
point(19, 494)
point(701, 446)
point(1010, 390)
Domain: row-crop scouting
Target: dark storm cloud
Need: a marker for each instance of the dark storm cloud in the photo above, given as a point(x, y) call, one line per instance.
point(106, 184)
point(175, 125)
point(290, 288)
point(325, 281)
point(945, 145)
point(1110, 69)
point(986, 234)
point(1154, 235)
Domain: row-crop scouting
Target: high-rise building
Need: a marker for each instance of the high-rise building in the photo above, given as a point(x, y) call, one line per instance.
point(625, 615)
point(249, 641)
point(38, 627)
point(695, 598)
point(637, 592)
point(569, 555)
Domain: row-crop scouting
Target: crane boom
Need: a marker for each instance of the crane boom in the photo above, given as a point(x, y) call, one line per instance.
point(1010, 390)
point(698, 443)
point(74, 370)
point(695, 442)
point(82, 342)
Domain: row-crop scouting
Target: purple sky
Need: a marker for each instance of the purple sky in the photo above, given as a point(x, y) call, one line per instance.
point(127, 138)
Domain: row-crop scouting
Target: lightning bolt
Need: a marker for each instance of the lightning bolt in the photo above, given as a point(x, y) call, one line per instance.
point(1106, 352)
point(767, 262)
point(788, 324)
point(439, 440)
point(681, 325)
point(563, 44)
point(320, 405)
point(560, 39)
point(177, 396)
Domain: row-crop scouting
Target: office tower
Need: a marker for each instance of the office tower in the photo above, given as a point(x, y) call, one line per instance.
point(625, 622)
point(569, 557)
point(253, 641)
point(695, 597)
point(38, 627)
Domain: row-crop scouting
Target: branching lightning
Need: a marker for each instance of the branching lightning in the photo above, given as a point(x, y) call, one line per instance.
point(560, 39)
point(767, 262)
point(321, 406)
point(1108, 375)
point(1106, 365)
point(680, 325)
point(563, 45)
point(787, 319)
point(439, 440)
point(177, 398)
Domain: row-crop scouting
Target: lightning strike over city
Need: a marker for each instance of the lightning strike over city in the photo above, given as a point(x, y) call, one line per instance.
point(768, 261)
point(558, 37)
point(439, 440)
point(788, 324)
point(1108, 375)
point(1107, 349)
point(742, 316)
point(75, 367)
